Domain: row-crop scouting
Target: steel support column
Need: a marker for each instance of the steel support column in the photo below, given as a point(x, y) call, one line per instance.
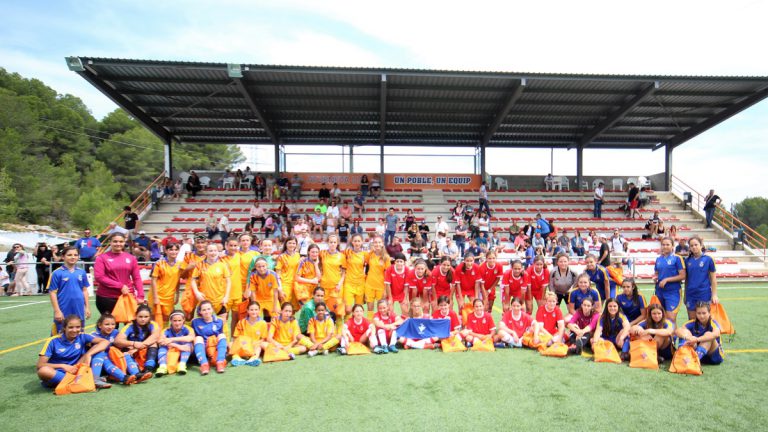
point(668, 149)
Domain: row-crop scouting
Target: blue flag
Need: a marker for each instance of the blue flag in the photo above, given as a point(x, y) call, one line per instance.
point(420, 328)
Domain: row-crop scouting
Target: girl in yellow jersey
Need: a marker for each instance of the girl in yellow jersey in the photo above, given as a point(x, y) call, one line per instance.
point(232, 259)
point(308, 274)
point(354, 281)
point(263, 287)
point(165, 283)
point(284, 332)
point(378, 262)
point(286, 266)
point(191, 260)
point(211, 280)
point(332, 266)
point(321, 331)
point(251, 330)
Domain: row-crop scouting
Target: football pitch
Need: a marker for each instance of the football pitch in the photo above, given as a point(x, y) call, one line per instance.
point(410, 391)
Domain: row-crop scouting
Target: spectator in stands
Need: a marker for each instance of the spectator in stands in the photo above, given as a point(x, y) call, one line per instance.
point(167, 188)
point(375, 186)
point(284, 184)
point(473, 249)
point(549, 182)
point(418, 248)
point(652, 225)
point(318, 221)
point(543, 226)
point(322, 206)
point(514, 230)
point(495, 244)
point(336, 192)
point(381, 228)
point(131, 221)
point(88, 245)
point(238, 178)
point(482, 242)
point(413, 233)
point(642, 197)
point(391, 226)
point(296, 188)
point(114, 228)
point(433, 252)
point(211, 225)
point(672, 233)
point(116, 272)
point(538, 241)
point(169, 238)
point(519, 240)
point(178, 187)
point(343, 230)
point(451, 251)
point(530, 253)
point(259, 186)
point(530, 229)
point(598, 201)
point(483, 224)
point(141, 246)
point(483, 200)
point(577, 244)
point(43, 256)
point(460, 236)
point(345, 211)
point(324, 193)
point(364, 184)
point(457, 212)
point(223, 227)
point(356, 228)
point(564, 242)
point(228, 176)
point(257, 214)
point(593, 246)
point(395, 247)
point(424, 230)
point(605, 252)
point(441, 226)
point(633, 201)
point(359, 204)
point(617, 242)
point(193, 184)
point(682, 248)
point(410, 219)
point(711, 201)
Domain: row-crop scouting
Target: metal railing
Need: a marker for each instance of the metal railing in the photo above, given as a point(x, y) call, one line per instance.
point(740, 231)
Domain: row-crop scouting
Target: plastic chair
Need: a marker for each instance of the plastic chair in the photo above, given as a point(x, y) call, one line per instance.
point(228, 183)
point(557, 183)
point(596, 182)
point(246, 182)
point(184, 176)
point(584, 185)
point(632, 180)
point(617, 184)
point(501, 183)
point(565, 184)
point(205, 182)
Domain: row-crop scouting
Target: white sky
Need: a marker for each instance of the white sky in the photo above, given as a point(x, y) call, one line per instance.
point(650, 37)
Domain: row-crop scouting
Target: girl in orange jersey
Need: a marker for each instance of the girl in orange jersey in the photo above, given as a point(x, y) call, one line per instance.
point(165, 283)
point(211, 280)
point(191, 260)
point(286, 265)
point(255, 330)
point(263, 287)
point(284, 332)
point(378, 262)
point(307, 275)
point(333, 265)
point(232, 259)
point(354, 280)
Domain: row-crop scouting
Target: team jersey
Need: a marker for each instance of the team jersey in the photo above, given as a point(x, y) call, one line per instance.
point(208, 329)
point(111, 337)
point(245, 263)
point(321, 329)
point(668, 325)
point(420, 284)
point(515, 284)
point(135, 333)
point(256, 331)
point(440, 282)
point(69, 286)
point(286, 268)
point(669, 266)
point(396, 282)
point(629, 308)
point(332, 265)
point(549, 318)
point(467, 278)
point(483, 325)
point(455, 322)
point(519, 325)
point(268, 258)
point(355, 278)
point(598, 276)
point(212, 280)
point(284, 332)
point(357, 330)
point(306, 270)
point(386, 320)
point(61, 351)
point(184, 331)
point(539, 281)
point(167, 283)
point(616, 324)
point(192, 258)
point(491, 275)
point(376, 267)
point(264, 287)
point(583, 321)
point(576, 296)
point(236, 281)
point(698, 330)
point(697, 270)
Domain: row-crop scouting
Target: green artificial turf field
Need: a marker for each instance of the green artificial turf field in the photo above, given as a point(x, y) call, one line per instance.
point(412, 390)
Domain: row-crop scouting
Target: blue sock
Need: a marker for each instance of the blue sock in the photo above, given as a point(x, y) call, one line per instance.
point(133, 368)
point(625, 347)
point(184, 356)
point(221, 350)
point(200, 353)
point(60, 374)
point(97, 364)
point(151, 362)
point(701, 352)
point(162, 356)
point(113, 370)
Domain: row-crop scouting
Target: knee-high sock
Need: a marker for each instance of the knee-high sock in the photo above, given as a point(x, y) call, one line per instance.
point(60, 374)
point(97, 364)
point(184, 356)
point(344, 342)
point(380, 337)
point(701, 352)
point(625, 346)
point(221, 350)
point(151, 362)
point(113, 370)
point(133, 368)
point(162, 356)
point(393, 338)
point(200, 353)
point(332, 342)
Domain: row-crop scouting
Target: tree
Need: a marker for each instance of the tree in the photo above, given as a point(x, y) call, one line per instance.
point(9, 205)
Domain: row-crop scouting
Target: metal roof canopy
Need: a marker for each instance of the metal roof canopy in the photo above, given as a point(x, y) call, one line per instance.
point(282, 105)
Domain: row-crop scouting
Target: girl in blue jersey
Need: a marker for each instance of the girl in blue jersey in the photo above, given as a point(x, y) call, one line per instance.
point(578, 293)
point(656, 328)
point(177, 337)
point(599, 276)
point(703, 334)
point(106, 329)
point(700, 277)
point(669, 271)
point(68, 288)
point(631, 302)
point(61, 354)
point(208, 326)
point(613, 326)
point(137, 339)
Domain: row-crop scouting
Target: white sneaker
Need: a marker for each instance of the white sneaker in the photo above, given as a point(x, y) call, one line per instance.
point(325, 352)
point(312, 353)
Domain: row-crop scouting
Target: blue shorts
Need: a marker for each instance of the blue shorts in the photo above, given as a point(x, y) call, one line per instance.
point(692, 298)
point(715, 357)
point(670, 299)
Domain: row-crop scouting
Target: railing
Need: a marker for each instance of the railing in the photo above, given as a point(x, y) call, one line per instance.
point(138, 206)
point(739, 230)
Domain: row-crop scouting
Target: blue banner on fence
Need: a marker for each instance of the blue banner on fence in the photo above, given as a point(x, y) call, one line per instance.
point(419, 328)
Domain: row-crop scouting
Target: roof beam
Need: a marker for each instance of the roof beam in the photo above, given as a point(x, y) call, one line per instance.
point(383, 110)
point(251, 101)
point(501, 115)
point(718, 118)
point(618, 114)
point(90, 75)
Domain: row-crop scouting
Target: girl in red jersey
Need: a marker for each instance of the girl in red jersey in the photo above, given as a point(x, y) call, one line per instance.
point(491, 273)
point(385, 324)
point(442, 282)
point(479, 324)
point(444, 312)
point(467, 280)
point(549, 321)
point(514, 323)
point(538, 274)
point(395, 278)
point(417, 311)
point(515, 283)
point(419, 282)
point(356, 329)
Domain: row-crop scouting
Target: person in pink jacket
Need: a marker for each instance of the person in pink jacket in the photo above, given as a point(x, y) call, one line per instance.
point(116, 272)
